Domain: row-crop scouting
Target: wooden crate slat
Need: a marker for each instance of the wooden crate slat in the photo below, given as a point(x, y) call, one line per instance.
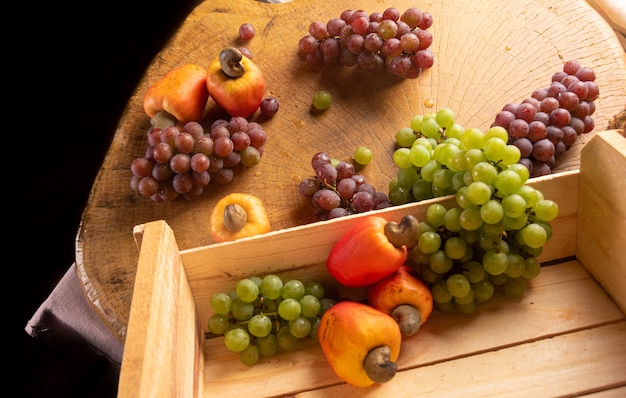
point(163, 352)
point(561, 299)
point(567, 365)
point(602, 213)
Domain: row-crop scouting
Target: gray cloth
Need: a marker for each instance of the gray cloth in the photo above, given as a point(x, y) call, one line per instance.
point(66, 317)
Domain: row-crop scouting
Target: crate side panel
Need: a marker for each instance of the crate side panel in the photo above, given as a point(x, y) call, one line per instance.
point(563, 298)
point(569, 365)
point(163, 348)
point(602, 212)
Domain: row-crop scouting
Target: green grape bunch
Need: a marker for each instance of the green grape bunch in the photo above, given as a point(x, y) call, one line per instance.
point(499, 226)
point(262, 316)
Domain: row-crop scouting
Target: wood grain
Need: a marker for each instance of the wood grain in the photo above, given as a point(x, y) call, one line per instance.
point(487, 54)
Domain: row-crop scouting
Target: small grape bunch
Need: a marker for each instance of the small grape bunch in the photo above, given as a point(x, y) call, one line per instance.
point(263, 316)
point(547, 123)
point(337, 190)
point(181, 162)
point(381, 41)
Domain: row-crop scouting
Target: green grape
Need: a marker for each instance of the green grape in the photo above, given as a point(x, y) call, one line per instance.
point(445, 117)
point(514, 223)
point(440, 292)
point(484, 172)
point(425, 142)
point(483, 290)
point(429, 242)
point(286, 340)
point(271, 287)
point(466, 308)
point(268, 345)
point(422, 190)
point(458, 285)
point(530, 195)
point(442, 178)
point(218, 323)
point(455, 131)
point(260, 325)
point(455, 248)
point(457, 162)
point(400, 195)
point(289, 309)
point(315, 325)
point(514, 287)
point(247, 290)
point(498, 280)
point(325, 304)
point(407, 176)
point(465, 300)
point(533, 235)
point(430, 128)
point(439, 262)
point(439, 192)
point(451, 219)
point(256, 280)
point(268, 306)
point(470, 219)
point(250, 355)
point(309, 306)
point(435, 214)
point(241, 310)
point(322, 100)
point(492, 212)
point(508, 182)
point(514, 205)
point(473, 157)
point(470, 237)
point(293, 289)
point(520, 169)
point(315, 289)
point(419, 155)
point(494, 149)
point(221, 302)
point(478, 193)
point(473, 138)
point(363, 155)
point(429, 168)
point(512, 155)
point(546, 225)
point(458, 181)
point(546, 210)
point(447, 307)
point(495, 262)
point(474, 271)
point(516, 267)
point(405, 137)
point(300, 327)
point(533, 267)
point(416, 122)
point(488, 242)
point(462, 200)
point(493, 230)
point(401, 158)
point(498, 132)
point(236, 339)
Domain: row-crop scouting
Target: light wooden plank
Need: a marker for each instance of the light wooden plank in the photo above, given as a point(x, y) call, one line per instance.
point(163, 350)
point(563, 298)
point(602, 213)
point(567, 365)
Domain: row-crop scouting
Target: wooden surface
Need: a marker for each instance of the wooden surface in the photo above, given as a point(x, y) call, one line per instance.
point(487, 54)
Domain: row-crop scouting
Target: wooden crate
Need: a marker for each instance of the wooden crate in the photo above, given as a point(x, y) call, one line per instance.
point(565, 337)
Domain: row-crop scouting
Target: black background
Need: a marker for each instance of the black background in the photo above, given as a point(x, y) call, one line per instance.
point(71, 70)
